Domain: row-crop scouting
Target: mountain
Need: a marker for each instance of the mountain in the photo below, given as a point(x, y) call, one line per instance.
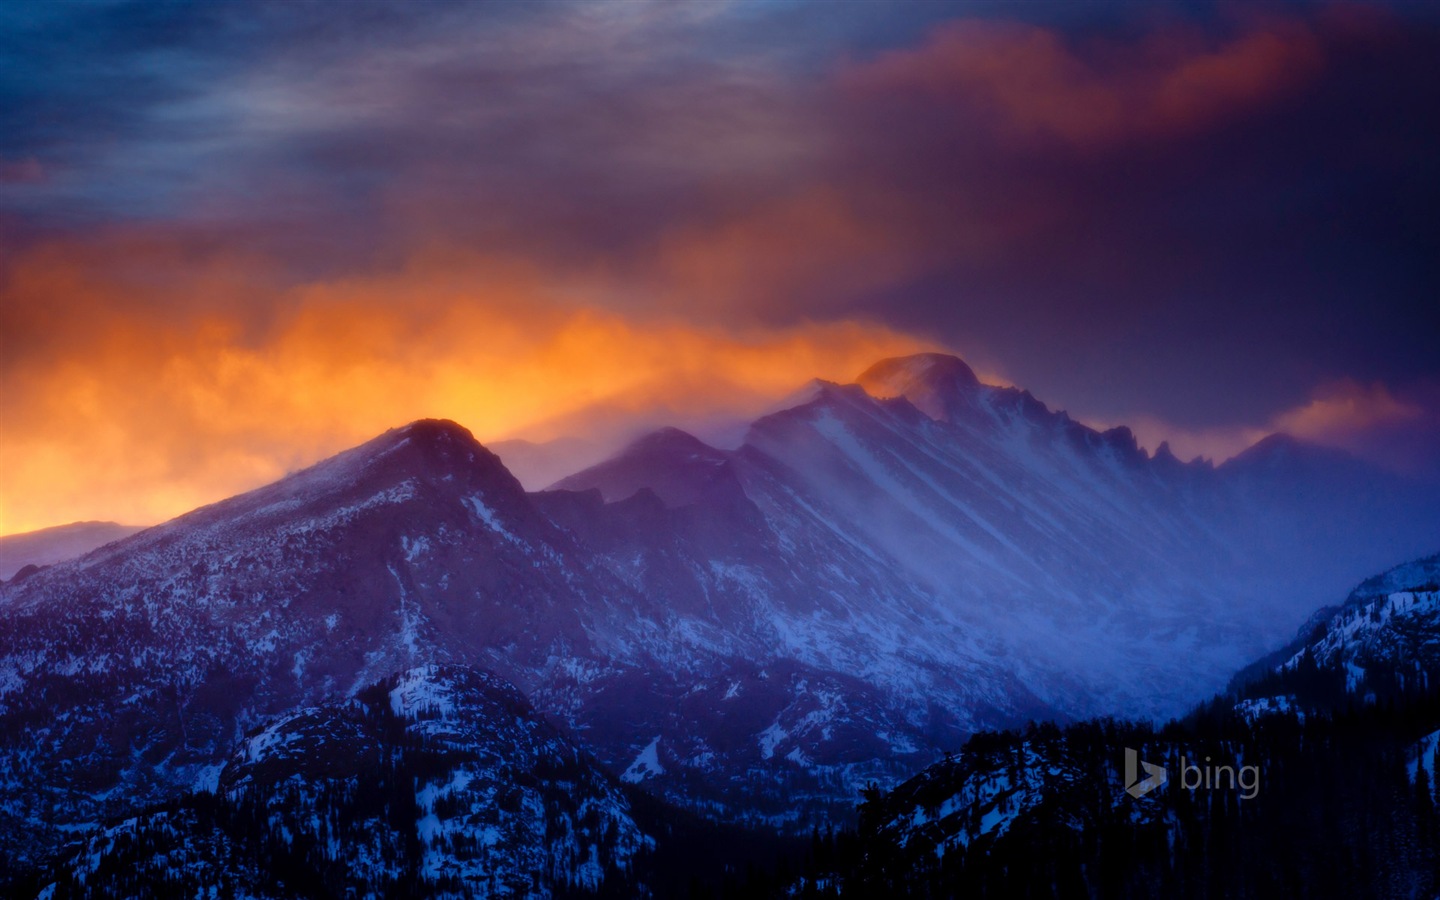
point(677, 467)
point(752, 633)
point(539, 464)
point(439, 782)
point(52, 545)
point(1382, 643)
point(125, 676)
point(1317, 793)
point(1066, 558)
point(938, 385)
point(1386, 638)
point(1342, 807)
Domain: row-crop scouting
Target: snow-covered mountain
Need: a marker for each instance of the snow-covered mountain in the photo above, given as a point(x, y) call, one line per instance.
point(1096, 577)
point(1382, 642)
point(58, 544)
point(127, 675)
point(438, 782)
point(877, 572)
point(1332, 744)
point(1384, 639)
point(1006, 788)
point(1399, 632)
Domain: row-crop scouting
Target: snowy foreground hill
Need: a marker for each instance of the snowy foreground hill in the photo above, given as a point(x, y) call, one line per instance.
point(877, 573)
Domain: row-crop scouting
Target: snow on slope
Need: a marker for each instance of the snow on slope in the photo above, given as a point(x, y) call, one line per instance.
point(855, 589)
point(439, 782)
point(1385, 637)
point(1383, 642)
point(1400, 625)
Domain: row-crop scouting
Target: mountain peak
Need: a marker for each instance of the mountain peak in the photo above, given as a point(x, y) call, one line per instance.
point(1285, 451)
point(931, 381)
point(436, 430)
point(675, 464)
point(429, 435)
point(1278, 442)
point(425, 448)
point(673, 440)
point(918, 368)
point(425, 439)
point(383, 470)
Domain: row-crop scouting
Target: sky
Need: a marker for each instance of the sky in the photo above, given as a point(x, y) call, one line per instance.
point(237, 237)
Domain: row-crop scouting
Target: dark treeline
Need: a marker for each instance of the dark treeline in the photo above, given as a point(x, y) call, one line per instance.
point(1336, 815)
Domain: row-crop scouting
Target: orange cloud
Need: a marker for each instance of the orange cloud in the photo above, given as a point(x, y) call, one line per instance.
point(1343, 414)
point(136, 399)
point(1343, 409)
point(814, 249)
point(1032, 83)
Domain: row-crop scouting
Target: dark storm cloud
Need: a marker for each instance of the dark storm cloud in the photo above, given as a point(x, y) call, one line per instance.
point(1236, 250)
point(1200, 214)
point(558, 127)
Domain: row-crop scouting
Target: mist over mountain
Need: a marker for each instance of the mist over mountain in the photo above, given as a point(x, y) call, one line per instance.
point(1328, 786)
point(876, 573)
point(538, 464)
point(48, 546)
point(1089, 562)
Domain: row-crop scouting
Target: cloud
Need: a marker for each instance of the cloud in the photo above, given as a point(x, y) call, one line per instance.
point(252, 217)
point(582, 124)
point(1195, 221)
point(1345, 408)
point(158, 404)
point(1030, 82)
point(1401, 432)
point(813, 250)
point(22, 171)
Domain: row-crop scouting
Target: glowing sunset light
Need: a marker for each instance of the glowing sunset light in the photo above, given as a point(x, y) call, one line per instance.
point(230, 247)
point(164, 415)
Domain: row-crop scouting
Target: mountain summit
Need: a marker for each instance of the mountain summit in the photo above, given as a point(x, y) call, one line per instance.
point(677, 466)
point(934, 382)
